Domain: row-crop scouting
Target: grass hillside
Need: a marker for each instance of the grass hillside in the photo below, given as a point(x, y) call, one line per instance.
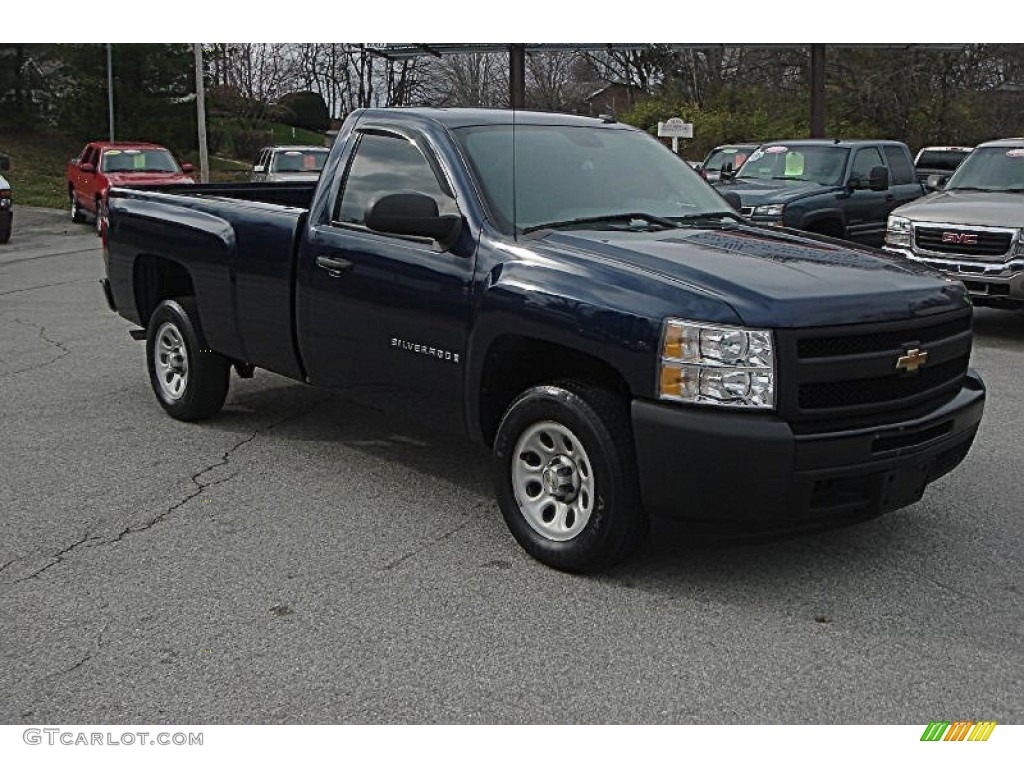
point(38, 174)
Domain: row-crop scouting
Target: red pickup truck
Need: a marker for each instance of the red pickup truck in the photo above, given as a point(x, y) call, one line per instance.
point(105, 164)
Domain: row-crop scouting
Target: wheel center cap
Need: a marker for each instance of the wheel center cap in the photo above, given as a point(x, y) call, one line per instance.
point(561, 478)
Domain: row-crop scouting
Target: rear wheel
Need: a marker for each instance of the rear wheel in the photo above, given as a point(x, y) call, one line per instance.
point(566, 476)
point(190, 381)
point(5, 234)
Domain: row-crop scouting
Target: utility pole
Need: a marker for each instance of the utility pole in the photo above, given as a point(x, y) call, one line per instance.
point(204, 158)
point(110, 91)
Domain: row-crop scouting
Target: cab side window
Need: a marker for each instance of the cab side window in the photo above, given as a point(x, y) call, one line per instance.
point(863, 162)
point(384, 164)
point(900, 169)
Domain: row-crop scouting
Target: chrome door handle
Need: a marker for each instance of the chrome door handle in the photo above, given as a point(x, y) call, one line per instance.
point(333, 265)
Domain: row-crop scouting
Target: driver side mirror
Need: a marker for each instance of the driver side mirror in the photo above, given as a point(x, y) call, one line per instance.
point(87, 168)
point(187, 168)
point(878, 179)
point(727, 171)
point(259, 168)
point(935, 182)
point(414, 215)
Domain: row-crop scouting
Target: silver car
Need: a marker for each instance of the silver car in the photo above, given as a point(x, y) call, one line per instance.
point(298, 163)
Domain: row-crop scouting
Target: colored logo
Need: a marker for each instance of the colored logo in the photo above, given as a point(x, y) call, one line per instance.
point(963, 238)
point(911, 361)
point(960, 730)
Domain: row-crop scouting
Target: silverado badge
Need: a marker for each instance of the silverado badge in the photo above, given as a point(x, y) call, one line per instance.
point(911, 361)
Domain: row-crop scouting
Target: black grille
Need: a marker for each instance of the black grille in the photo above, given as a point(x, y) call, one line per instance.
point(846, 377)
point(876, 342)
point(985, 243)
point(844, 394)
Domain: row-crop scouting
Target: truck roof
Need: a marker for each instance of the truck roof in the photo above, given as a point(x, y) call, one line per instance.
point(125, 145)
point(1016, 142)
point(463, 116)
point(833, 142)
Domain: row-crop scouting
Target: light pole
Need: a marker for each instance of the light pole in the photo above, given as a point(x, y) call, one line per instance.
point(110, 91)
point(204, 158)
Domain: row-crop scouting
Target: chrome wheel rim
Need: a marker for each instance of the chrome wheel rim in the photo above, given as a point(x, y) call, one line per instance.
point(101, 215)
point(170, 361)
point(553, 480)
point(74, 208)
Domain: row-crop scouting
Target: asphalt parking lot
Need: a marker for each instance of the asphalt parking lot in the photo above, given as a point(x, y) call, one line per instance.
point(303, 559)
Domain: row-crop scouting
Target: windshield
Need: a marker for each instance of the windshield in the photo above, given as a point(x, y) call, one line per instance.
point(565, 173)
point(719, 157)
point(138, 160)
point(822, 164)
point(300, 161)
point(991, 169)
point(941, 159)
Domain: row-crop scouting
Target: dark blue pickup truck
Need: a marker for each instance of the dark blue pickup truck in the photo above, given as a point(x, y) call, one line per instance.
point(567, 292)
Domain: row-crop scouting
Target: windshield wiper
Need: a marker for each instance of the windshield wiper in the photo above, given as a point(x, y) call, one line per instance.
point(715, 216)
point(607, 218)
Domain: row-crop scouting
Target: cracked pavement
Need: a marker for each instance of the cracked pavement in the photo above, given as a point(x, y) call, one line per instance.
point(303, 559)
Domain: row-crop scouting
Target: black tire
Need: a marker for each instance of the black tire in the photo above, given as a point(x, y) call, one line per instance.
point(77, 216)
point(189, 380)
point(592, 435)
point(5, 235)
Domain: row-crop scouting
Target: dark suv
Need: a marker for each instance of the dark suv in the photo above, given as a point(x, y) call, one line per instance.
point(844, 189)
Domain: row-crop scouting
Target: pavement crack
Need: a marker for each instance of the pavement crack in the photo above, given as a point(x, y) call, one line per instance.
point(45, 285)
point(57, 558)
point(88, 655)
point(423, 548)
point(200, 487)
point(61, 348)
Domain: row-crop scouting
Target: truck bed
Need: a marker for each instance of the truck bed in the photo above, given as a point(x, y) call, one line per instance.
point(236, 242)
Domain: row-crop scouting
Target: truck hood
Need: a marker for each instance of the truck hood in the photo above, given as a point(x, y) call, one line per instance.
point(985, 209)
point(772, 278)
point(772, 192)
point(137, 179)
point(4, 184)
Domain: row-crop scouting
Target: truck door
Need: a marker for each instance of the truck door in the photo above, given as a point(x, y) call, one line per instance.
point(85, 183)
point(866, 209)
point(386, 317)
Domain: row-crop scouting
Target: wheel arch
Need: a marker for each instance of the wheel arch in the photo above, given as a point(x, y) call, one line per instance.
point(513, 363)
point(155, 279)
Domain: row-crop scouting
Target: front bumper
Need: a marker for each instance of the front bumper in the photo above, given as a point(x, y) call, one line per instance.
point(728, 468)
point(999, 283)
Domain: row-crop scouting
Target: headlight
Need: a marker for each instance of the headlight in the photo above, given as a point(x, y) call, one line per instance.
point(898, 232)
point(716, 365)
point(774, 211)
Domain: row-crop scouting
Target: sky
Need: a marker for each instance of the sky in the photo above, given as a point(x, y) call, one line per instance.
point(538, 21)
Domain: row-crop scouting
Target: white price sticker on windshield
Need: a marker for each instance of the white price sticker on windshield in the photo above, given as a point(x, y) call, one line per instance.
point(1015, 153)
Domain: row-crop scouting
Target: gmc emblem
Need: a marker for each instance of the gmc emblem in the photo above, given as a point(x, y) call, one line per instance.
point(963, 238)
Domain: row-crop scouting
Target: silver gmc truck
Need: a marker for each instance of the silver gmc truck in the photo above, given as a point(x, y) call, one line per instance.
point(972, 228)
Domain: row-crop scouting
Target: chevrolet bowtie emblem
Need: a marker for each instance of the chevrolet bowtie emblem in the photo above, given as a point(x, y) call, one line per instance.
point(911, 361)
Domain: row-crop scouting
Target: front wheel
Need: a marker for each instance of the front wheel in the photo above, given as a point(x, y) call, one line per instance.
point(101, 216)
point(189, 379)
point(76, 209)
point(566, 476)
